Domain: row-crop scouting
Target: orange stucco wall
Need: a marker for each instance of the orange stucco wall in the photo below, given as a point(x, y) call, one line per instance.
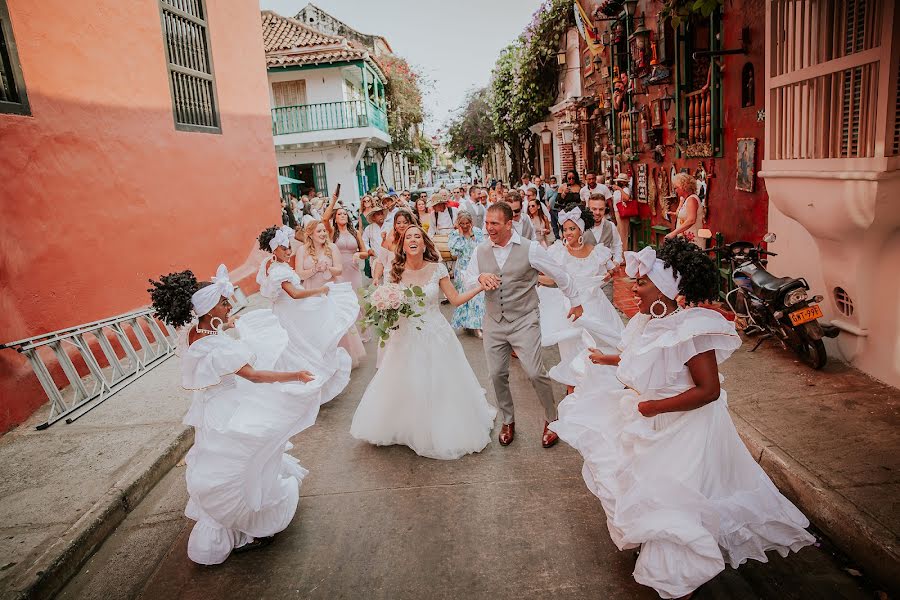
point(99, 191)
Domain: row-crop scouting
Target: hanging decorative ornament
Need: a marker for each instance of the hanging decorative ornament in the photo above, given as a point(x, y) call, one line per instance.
point(651, 191)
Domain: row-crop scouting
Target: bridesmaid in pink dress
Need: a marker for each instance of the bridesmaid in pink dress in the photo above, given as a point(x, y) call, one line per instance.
point(319, 262)
point(350, 245)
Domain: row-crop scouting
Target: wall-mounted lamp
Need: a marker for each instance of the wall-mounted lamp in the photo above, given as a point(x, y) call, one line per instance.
point(666, 99)
point(561, 57)
point(630, 7)
point(567, 129)
point(546, 135)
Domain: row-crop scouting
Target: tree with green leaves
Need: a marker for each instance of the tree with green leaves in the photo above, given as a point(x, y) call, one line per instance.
point(471, 133)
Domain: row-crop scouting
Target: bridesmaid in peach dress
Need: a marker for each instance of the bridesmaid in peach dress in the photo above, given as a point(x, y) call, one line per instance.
point(320, 262)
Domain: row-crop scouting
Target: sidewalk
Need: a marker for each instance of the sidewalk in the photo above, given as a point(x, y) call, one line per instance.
point(829, 439)
point(65, 489)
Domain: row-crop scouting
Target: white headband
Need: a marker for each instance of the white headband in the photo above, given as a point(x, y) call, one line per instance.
point(206, 298)
point(573, 215)
point(645, 264)
point(282, 238)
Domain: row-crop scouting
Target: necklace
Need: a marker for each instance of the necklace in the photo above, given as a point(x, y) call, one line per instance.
point(208, 331)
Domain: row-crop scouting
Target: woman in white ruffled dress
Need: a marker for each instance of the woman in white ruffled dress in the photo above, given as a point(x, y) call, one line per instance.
point(590, 266)
point(243, 487)
point(660, 450)
point(314, 319)
point(425, 395)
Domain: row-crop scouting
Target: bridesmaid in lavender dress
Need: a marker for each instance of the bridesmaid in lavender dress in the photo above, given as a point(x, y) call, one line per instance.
point(320, 262)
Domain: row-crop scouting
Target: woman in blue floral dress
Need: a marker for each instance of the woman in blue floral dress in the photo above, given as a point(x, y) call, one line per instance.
point(463, 241)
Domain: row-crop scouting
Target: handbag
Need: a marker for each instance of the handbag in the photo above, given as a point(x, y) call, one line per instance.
point(627, 208)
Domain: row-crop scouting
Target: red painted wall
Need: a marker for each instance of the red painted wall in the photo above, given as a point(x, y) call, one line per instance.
point(737, 214)
point(100, 192)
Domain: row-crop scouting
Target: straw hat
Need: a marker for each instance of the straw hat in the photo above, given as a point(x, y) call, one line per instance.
point(376, 207)
point(440, 197)
point(623, 178)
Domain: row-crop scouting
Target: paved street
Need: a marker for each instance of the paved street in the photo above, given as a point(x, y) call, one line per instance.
point(373, 522)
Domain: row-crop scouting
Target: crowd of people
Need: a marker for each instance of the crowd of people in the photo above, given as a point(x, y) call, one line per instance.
point(524, 268)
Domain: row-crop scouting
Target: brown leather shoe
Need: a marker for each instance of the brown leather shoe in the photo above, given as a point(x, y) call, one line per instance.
point(507, 433)
point(549, 438)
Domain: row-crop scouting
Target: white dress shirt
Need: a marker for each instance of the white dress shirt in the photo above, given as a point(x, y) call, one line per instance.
point(389, 219)
point(616, 249)
point(442, 221)
point(539, 258)
point(601, 188)
point(371, 236)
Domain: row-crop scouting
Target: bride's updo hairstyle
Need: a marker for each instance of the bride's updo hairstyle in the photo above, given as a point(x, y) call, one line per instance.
point(399, 264)
point(699, 275)
point(265, 237)
point(171, 297)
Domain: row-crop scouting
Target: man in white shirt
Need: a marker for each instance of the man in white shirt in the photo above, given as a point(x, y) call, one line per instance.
point(604, 232)
point(521, 226)
point(592, 187)
point(442, 217)
point(371, 235)
point(390, 209)
point(511, 312)
point(526, 183)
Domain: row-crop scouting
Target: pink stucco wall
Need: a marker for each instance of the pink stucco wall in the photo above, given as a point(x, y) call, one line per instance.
point(100, 191)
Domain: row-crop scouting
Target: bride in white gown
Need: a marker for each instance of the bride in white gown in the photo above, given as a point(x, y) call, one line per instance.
point(425, 395)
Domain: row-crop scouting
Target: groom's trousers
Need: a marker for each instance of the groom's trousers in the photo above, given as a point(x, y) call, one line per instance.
point(524, 336)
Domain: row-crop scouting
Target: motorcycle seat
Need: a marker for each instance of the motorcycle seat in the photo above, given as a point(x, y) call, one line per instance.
point(767, 285)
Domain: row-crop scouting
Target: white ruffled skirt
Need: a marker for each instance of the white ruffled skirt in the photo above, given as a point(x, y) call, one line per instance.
point(600, 320)
point(241, 483)
point(682, 486)
point(305, 335)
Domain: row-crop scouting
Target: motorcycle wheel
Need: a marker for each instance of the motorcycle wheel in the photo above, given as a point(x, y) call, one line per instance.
point(812, 352)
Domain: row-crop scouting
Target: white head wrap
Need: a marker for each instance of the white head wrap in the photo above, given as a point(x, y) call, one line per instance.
point(573, 215)
point(645, 264)
point(282, 238)
point(206, 298)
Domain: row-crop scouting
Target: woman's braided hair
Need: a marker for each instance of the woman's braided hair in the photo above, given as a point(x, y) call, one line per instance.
point(265, 237)
point(699, 275)
point(171, 296)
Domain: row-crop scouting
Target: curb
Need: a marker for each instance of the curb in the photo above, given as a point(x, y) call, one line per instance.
point(855, 532)
point(62, 560)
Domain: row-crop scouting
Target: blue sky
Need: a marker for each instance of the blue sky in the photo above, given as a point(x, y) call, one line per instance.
point(454, 44)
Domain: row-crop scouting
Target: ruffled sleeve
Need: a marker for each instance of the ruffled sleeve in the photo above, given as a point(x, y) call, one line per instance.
point(655, 358)
point(557, 252)
point(603, 256)
point(270, 285)
point(211, 358)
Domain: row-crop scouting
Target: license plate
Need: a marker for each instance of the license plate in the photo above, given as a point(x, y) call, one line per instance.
point(805, 315)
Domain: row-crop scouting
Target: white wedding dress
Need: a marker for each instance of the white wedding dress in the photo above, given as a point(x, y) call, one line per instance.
point(425, 394)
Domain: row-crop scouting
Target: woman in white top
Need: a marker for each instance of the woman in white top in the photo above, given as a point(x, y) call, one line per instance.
point(689, 214)
point(660, 449)
point(589, 265)
point(243, 488)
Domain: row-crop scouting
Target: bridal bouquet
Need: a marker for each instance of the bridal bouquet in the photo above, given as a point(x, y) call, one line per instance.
point(384, 305)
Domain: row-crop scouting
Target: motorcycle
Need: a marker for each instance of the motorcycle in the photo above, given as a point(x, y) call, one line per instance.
point(778, 307)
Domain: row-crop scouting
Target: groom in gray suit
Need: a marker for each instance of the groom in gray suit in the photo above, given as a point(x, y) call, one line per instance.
point(508, 266)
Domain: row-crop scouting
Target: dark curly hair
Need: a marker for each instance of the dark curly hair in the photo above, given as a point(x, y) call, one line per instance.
point(586, 214)
point(698, 272)
point(266, 236)
point(171, 296)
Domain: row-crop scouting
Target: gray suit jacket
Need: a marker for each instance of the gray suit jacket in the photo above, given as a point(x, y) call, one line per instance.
point(525, 228)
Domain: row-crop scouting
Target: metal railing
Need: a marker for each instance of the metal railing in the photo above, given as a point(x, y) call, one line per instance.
point(92, 343)
point(327, 115)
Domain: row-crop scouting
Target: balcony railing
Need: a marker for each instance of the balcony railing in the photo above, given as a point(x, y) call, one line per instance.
point(327, 115)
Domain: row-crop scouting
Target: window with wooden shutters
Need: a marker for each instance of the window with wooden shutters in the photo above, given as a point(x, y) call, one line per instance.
point(289, 93)
point(13, 98)
point(191, 77)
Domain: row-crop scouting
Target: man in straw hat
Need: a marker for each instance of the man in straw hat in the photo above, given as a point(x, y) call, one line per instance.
point(371, 235)
point(443, 220)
